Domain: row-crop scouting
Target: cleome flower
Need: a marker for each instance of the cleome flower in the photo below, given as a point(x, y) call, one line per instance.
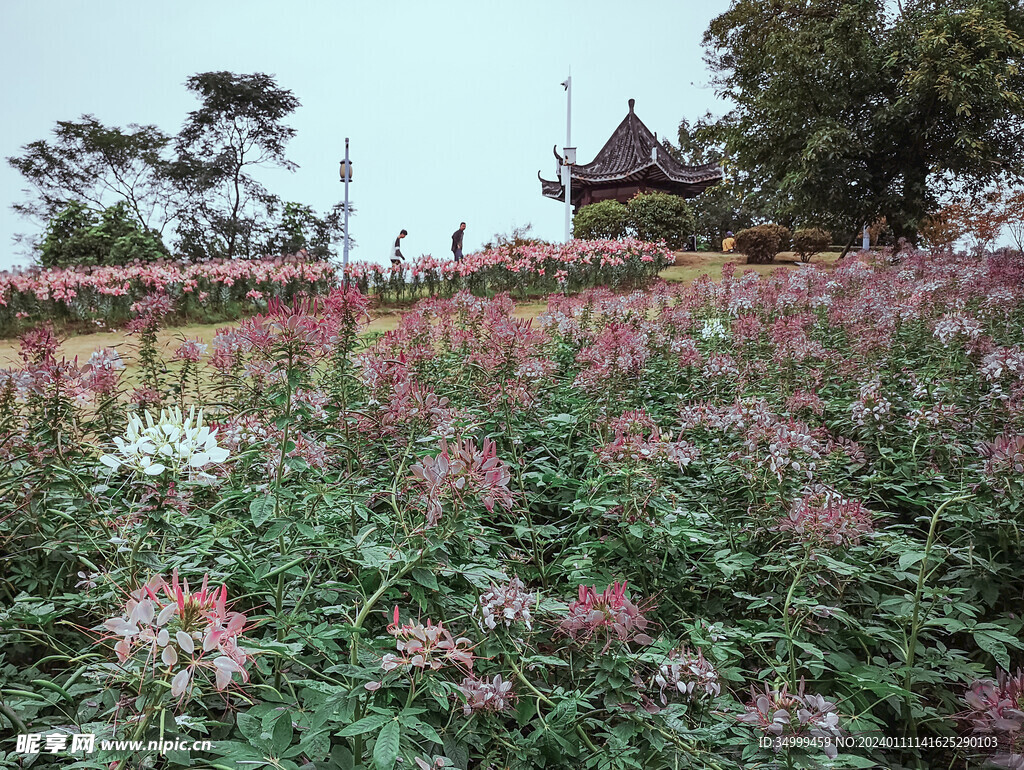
point(1004, 454)
point(779, 714)
point(714, 330)
point(506, 604)
point(486, 695)
point(609, 613)
point(170, 632)
point(824, 517)
point(172, 442)
point(689, 674)
point(997, 708)
point(461, 470)
point(426, 647)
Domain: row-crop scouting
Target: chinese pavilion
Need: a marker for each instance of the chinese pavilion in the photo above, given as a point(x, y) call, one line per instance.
point(631, 161)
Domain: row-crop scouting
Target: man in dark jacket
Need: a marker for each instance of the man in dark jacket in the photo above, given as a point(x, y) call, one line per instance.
point(457, 242)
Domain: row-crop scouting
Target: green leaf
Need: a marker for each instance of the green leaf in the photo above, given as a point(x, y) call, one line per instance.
point(365, 725)
point(987, 641)
point(909, 559)
point(424, 729)
point(282, 736)
point(385, 751)
point(261, 509)
point(425, 578)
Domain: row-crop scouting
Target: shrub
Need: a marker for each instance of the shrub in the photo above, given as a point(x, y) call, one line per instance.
point(598, 221)
point(760, 244)
point(810, 241)
point(660, 216)
point(80, 236)
point(784, 233)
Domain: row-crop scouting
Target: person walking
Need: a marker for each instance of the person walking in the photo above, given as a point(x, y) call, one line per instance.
point(396, 252)
point(457, 242)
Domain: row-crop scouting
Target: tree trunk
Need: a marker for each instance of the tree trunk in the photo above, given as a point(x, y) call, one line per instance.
point(849, 245)
point(906, 222)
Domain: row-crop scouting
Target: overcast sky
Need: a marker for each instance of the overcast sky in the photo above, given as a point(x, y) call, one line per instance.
point(451, 108)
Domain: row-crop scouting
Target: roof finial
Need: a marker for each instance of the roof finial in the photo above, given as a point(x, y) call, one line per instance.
point(631, 103)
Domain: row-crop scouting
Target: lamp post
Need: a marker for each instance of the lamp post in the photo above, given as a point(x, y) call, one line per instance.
point(568, 158)
point(346, 177)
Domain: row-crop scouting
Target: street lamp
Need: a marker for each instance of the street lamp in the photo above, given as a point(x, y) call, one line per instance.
point(346, 176)
point(568, 158)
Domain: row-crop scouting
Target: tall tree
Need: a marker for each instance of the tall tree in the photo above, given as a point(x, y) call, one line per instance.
point(854, 110)
point(238, 126)
point(89, 163)
point(734, 203)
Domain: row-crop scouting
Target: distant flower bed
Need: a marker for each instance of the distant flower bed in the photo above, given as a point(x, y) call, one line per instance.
point(218, 289)
point(228, 289)
point(520, 270)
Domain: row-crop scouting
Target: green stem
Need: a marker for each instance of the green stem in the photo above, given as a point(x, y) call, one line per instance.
point(529, 685)
point(915, 625)
point(785, 619)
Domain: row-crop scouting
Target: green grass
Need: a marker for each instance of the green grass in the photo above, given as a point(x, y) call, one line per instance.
point(691, 265)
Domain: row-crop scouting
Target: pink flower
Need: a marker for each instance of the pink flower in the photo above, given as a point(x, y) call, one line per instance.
point(486, 695)
point(187, 632)
point(609, 613)
point(426, 647)
point(462, 470)
point(191, 351)
point(824, 517)
point(782, 715)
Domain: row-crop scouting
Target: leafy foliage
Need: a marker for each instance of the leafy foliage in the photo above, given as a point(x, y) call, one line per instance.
point(89, 162)
point(197, 185)
point(643, 532)
point(301, 229)
point(760, 244)
point(854, 111)
point(76, 236)
point(238, 125)
point(660, 216)
point(646, 217)
point(604, 219)
point(811, 241)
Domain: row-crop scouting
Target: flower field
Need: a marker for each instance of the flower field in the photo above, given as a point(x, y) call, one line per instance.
point(521, 270)
point(222, 290)
point(219, 289)
point(765, 522)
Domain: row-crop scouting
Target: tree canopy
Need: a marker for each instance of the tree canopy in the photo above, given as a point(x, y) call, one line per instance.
point(855, 109)
point(198, 185)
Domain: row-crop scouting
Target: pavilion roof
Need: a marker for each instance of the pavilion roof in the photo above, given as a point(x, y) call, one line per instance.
point(634, 154)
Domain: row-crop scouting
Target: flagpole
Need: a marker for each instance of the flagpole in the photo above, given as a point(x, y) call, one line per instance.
point(566, 166)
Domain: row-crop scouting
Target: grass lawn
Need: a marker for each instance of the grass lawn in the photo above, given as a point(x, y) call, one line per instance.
point(688, 267)
point(691, 265)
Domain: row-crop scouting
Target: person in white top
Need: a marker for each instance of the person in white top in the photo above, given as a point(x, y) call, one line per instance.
point(396, 254)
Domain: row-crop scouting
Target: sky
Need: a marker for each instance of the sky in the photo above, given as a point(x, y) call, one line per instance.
point(451, 108)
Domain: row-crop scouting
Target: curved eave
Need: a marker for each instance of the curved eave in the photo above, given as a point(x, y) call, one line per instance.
point(654, 171)
point(551, 189)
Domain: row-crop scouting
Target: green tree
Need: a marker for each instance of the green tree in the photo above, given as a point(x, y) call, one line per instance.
point(853, 110)
point(99, 165)
point(80, 236)
point(237, 127)
point(300, 227)
point(733, 204)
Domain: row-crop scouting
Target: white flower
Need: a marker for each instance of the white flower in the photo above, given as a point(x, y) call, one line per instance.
point(714, 329)
point(173, 442)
